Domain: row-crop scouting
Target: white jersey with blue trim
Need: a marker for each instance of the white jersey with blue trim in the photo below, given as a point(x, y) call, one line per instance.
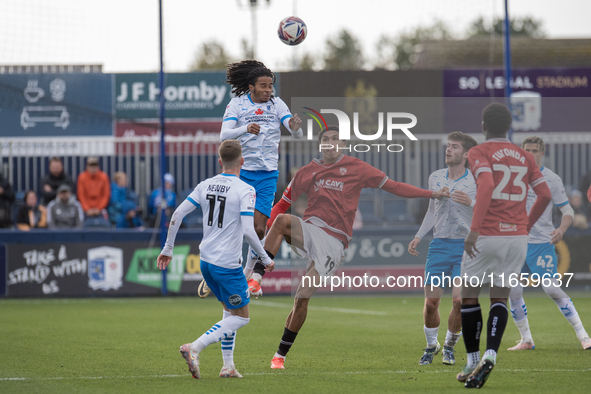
point(260, 152)
point(449, 219)
point(224, 199)
point(540, 232)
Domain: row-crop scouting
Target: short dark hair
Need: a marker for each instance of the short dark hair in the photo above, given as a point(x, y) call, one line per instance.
point(230, 152)
point(497, 119)
point(327, 128)
point(466, 140)
point(534, 140)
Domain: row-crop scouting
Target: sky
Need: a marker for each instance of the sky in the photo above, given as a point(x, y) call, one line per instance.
point(123, 35)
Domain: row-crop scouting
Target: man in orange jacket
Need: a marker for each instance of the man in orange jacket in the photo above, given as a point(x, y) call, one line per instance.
point(94, 190)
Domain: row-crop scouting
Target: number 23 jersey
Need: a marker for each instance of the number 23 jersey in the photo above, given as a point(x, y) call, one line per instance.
point(224, 199)
point(512, 169)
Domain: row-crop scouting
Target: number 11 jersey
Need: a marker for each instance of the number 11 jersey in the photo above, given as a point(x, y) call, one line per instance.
point(224, 199)
point(512, 169)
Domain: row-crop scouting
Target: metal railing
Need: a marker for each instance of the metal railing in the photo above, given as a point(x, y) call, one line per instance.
point(190, 160)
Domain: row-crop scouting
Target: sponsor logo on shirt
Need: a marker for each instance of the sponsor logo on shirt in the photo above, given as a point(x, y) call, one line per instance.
point(329, 184)
point(507, 226)
point(259, 111)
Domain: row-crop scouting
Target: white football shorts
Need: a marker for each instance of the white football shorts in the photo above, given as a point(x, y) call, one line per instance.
point(501, 256)
point(325, 251)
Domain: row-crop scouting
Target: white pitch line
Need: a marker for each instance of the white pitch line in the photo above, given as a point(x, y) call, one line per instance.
point(322, 308)
point(279, 373)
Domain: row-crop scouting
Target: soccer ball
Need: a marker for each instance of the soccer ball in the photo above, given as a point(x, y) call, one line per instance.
point(292, 30)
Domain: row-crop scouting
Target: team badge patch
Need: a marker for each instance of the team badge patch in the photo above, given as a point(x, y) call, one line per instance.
point(235, 299)
point(343, 170)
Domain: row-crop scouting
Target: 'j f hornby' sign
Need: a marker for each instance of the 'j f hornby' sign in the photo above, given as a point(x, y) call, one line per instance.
point(188, 95)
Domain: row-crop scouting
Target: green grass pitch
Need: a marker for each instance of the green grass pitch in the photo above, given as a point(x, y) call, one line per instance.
point(348, 345)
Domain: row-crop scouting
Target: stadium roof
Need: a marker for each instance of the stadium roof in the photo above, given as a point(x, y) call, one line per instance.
point(484, 52)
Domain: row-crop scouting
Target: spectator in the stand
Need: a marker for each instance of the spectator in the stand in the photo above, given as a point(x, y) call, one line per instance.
point(584, 186)
point(31, 215)
point(120, 193)
point(130, 217)
point(580, 220)
point(94, 190)
point(6, 198)
point(156, 199)
point(65, 211)
point(51, 181)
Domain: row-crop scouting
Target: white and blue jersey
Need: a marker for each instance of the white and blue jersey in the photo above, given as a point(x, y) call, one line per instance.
point(223, 199)
point(260, 152)
point(541, 254)
point(451, 222)
point(449, 219)
point(541, 230)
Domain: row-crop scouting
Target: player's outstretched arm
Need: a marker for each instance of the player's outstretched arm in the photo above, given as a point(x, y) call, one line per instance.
point(183, 210)
point(408, 191)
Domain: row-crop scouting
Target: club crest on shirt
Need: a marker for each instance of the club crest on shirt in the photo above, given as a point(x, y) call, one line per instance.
point(343, 170)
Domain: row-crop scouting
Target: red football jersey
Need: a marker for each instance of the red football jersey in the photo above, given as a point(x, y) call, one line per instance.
point(333, 192)
point(513, 169)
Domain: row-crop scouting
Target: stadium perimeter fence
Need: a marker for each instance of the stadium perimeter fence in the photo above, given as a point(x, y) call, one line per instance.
point(191, 160)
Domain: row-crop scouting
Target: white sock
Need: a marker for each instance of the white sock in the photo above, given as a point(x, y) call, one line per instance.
point(473, 359)
point(221, 330)
point(518, 309)
point(278, 355)
point(228, 345)
point(257, 277)
point(490, 352)
point(452, 338)
point(569, 311)
point(431, 335)
point(523, 326)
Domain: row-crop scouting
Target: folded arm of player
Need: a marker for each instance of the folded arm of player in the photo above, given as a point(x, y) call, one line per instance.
point(183, 210)
point(255, 243)
point(231, 133)
point(294, 124)
point(543, 199)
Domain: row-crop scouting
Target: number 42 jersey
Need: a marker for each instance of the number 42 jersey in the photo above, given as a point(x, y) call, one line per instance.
point(512, 169)
point(224, 199)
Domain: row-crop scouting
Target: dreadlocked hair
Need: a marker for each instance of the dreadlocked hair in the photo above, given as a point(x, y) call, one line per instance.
point(244, 73)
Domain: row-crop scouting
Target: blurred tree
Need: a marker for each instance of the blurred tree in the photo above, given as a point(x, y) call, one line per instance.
point(211, 55)
point(307, 62)
point(519, 27)
point(343, 53)
point(400, 52)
